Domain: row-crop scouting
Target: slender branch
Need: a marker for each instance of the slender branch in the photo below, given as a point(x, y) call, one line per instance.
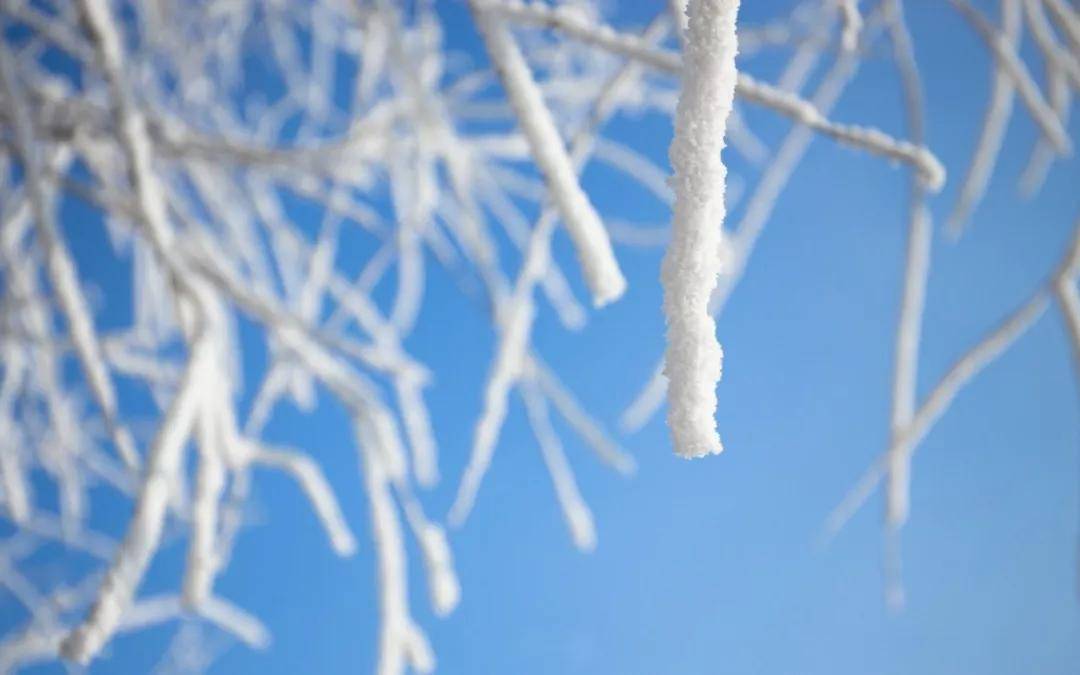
point(61, 267)
point(995, 122)
point(867, 139)
point(1007, 58)
point(905, 442)
point(594, 251)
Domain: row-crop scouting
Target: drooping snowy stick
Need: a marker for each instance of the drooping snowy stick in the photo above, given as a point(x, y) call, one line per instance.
point(693, 357)
point(517, 310)
point(576, 512)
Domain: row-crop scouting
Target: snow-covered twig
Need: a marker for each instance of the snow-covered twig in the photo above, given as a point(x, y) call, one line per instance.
point(895, 462)
point(576, 512)
point(959, 375)
point(593, 247)
point(144, 531)
point(919, 236)
point(1062, 68)
point(515, 313)
point(401, 642)
point(61, 268)
point(995, 122)
point(1069, 301)
point(312, 481)
point(1041, 112)
point(738, 247)
point(1067, 19)
point(851, 23)
point(692, 359)
point(783, 102)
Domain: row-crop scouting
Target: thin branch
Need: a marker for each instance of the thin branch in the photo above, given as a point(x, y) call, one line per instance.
point(594, 251)
point(867, 139)
point(61, 267)
point(1041, 111)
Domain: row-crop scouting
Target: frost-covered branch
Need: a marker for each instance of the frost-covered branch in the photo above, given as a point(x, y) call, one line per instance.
point(594, 250)
point(777, 99)
point(738, 247)
point(1008, 60)
point(895, 462)
point(61, 268)
point(516, 311)
point(693, 357)
point(998, 114)
point(917, 263)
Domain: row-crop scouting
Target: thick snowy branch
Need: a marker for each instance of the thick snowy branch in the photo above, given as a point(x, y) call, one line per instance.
point(693, 357)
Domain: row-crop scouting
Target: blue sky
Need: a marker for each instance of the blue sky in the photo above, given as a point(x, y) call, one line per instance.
point(712, 566)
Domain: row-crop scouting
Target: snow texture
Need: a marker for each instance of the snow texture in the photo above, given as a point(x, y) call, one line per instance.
point(693, 359)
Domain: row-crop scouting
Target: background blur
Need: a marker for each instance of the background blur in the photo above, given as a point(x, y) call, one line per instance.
point(714, 565)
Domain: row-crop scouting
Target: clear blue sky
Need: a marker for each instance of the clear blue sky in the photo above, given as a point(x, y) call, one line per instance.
point(711, 566)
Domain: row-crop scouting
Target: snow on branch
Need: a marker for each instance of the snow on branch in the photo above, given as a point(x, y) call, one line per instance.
point(144, 531)
point(60, 266)
point(693, 357)
point(851, 23)
point(895, 462)
point(786, 103)
point(594, 251)
point(992, 136)
point(1005, 54)
point(314, 484)
point(516, 312)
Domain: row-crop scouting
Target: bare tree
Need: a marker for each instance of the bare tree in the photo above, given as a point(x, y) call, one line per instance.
point(159, 127)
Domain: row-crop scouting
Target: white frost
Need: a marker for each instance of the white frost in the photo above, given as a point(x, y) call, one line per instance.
point(693, 357)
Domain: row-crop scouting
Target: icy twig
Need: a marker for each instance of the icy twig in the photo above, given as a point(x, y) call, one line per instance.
point(996, 120)
point(739, 246)
point(1041, 111)
point(515, 313)
point(895, 462)
point(593, 247)
point(868, 139)
point(693, 357)
point(311, 480)
point(851, 24)
point(144, 530)
point(576, 512)
point(400, 641)
point(919, 236)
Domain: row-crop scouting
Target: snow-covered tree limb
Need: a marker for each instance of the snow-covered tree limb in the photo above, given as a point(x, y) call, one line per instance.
point(693, 358)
